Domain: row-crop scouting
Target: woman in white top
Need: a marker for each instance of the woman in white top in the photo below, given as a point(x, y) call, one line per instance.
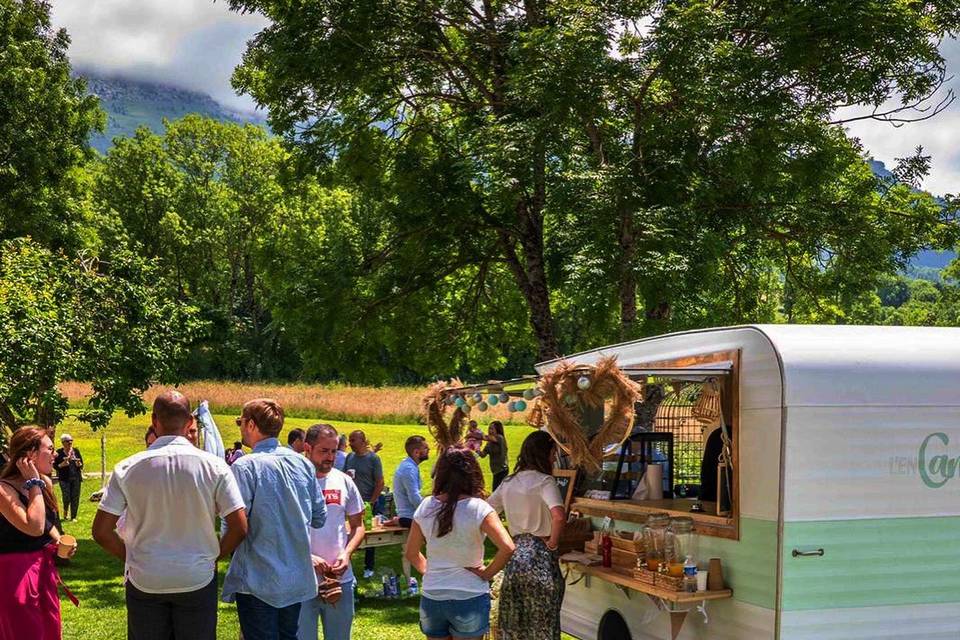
point(533, 586)
point(453, 522)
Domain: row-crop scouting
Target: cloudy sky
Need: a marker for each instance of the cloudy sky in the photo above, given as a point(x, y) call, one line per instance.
point(196, 43)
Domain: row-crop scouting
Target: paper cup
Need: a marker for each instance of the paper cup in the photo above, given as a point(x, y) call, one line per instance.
point(702, 580)
point(67, 544)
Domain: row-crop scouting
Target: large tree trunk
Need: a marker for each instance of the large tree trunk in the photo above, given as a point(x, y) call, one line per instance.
point(7, 418)
point(530, 270)
point(628, 279)
point(531, 278)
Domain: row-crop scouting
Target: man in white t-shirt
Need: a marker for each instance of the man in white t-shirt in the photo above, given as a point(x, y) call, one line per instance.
point(172, 494)
point(333, 544)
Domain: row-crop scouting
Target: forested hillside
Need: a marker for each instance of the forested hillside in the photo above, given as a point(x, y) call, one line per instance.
point(134, 103)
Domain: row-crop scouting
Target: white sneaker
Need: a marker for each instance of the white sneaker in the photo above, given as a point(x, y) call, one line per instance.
point(367, 574)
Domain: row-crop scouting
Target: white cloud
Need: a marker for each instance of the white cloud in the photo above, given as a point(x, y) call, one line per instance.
point(193, 44)
point(939, 136)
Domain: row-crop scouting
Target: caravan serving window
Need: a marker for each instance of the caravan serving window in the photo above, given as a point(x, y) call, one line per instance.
point(696, 464)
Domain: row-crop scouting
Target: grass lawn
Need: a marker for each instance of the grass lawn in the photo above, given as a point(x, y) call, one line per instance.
point(95, 577)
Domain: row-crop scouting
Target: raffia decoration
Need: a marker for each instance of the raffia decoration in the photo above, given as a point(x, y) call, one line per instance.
point(563, 421)
point(446, 434)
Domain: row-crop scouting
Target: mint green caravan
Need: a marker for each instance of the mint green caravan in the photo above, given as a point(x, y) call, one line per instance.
point(845, 521)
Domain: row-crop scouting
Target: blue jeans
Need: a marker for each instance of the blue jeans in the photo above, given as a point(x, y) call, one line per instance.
point(337, 619)
point(455, 618)
point(260, 621)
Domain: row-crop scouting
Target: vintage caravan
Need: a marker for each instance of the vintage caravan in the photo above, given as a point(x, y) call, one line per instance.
point(845, 514)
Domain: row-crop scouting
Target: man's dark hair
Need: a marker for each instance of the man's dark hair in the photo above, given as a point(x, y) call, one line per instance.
point(317, 431)
point(295, 435)
point(237, 444)
point(267, 414)
point(172, 412)
point(413, 442)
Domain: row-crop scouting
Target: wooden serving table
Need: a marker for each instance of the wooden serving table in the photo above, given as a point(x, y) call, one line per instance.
point(677, 603)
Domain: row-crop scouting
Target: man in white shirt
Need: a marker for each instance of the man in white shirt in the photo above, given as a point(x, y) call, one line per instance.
point(333, 544)
point(172, 494)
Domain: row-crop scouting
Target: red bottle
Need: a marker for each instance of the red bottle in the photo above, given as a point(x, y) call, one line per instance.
point(606, 549)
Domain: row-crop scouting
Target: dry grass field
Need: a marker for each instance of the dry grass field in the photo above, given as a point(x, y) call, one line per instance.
point(388, 405)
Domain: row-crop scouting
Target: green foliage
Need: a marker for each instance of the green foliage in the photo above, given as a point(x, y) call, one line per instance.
point(98, 320)
point(198, 199)
point(627, 180)
point(45, 120)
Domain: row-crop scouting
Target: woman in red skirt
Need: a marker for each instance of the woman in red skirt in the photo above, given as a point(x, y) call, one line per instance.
point(29, 532)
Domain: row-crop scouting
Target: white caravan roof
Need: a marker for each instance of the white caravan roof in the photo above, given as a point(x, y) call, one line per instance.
point(828, 365)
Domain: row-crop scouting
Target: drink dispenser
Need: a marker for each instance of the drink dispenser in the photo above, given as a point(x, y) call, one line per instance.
point(681, 542)
point(655, 540)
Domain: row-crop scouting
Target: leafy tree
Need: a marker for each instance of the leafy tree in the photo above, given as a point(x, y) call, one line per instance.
point(98, 320)
point(45, 121)
point(198, 198)
point(661, 164)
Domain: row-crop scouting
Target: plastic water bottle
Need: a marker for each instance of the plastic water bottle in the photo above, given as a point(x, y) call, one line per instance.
point(412, 585)
point(394, 587)
point(690, 575)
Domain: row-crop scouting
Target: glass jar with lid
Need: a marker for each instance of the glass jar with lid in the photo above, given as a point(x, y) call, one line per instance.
point(681, 542)
point(655, 540)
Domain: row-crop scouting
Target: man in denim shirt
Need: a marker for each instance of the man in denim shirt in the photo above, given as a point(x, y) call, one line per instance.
point(271, 572)
point(406, 479)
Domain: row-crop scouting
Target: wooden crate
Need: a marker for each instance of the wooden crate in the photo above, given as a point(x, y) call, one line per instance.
point(619, 557)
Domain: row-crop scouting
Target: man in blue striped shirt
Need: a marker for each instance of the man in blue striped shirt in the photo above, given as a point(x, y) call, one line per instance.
point(271, 572)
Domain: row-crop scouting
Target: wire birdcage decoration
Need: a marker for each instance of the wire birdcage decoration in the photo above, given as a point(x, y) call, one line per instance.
point(676, 415)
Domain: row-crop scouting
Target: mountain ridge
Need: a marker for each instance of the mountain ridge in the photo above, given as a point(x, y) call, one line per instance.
point(131, 103)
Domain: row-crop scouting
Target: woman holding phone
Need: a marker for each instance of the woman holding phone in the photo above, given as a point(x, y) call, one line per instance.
point(29, 532)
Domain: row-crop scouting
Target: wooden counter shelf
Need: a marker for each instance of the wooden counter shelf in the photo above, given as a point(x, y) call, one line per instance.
point(705, 522)
point(677, 603)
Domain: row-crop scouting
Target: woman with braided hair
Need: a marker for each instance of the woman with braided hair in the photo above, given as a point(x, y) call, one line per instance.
point(453, 523)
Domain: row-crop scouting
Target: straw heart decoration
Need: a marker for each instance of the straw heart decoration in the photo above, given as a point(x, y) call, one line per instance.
point(588, 386)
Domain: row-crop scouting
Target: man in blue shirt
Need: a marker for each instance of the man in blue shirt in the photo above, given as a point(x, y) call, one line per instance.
point(406, 479)
point(271, 572)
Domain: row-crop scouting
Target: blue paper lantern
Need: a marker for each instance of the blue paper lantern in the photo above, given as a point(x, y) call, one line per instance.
point(530, 394)
point(482, 406)
point(477, 398)
point(504, 397)
point(493, 399)
point(460, 402)
point(583, 382)
point(520, 405)
point(465, 408)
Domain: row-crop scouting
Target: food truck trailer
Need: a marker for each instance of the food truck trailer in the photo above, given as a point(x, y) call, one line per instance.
point(844, 518)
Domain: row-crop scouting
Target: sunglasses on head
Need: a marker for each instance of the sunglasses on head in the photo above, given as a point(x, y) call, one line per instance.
point(239, 421)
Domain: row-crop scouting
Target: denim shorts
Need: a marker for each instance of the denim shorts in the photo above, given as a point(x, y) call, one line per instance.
point(457, 618)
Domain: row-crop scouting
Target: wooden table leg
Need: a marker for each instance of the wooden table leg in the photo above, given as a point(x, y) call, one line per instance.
point(676, 623)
